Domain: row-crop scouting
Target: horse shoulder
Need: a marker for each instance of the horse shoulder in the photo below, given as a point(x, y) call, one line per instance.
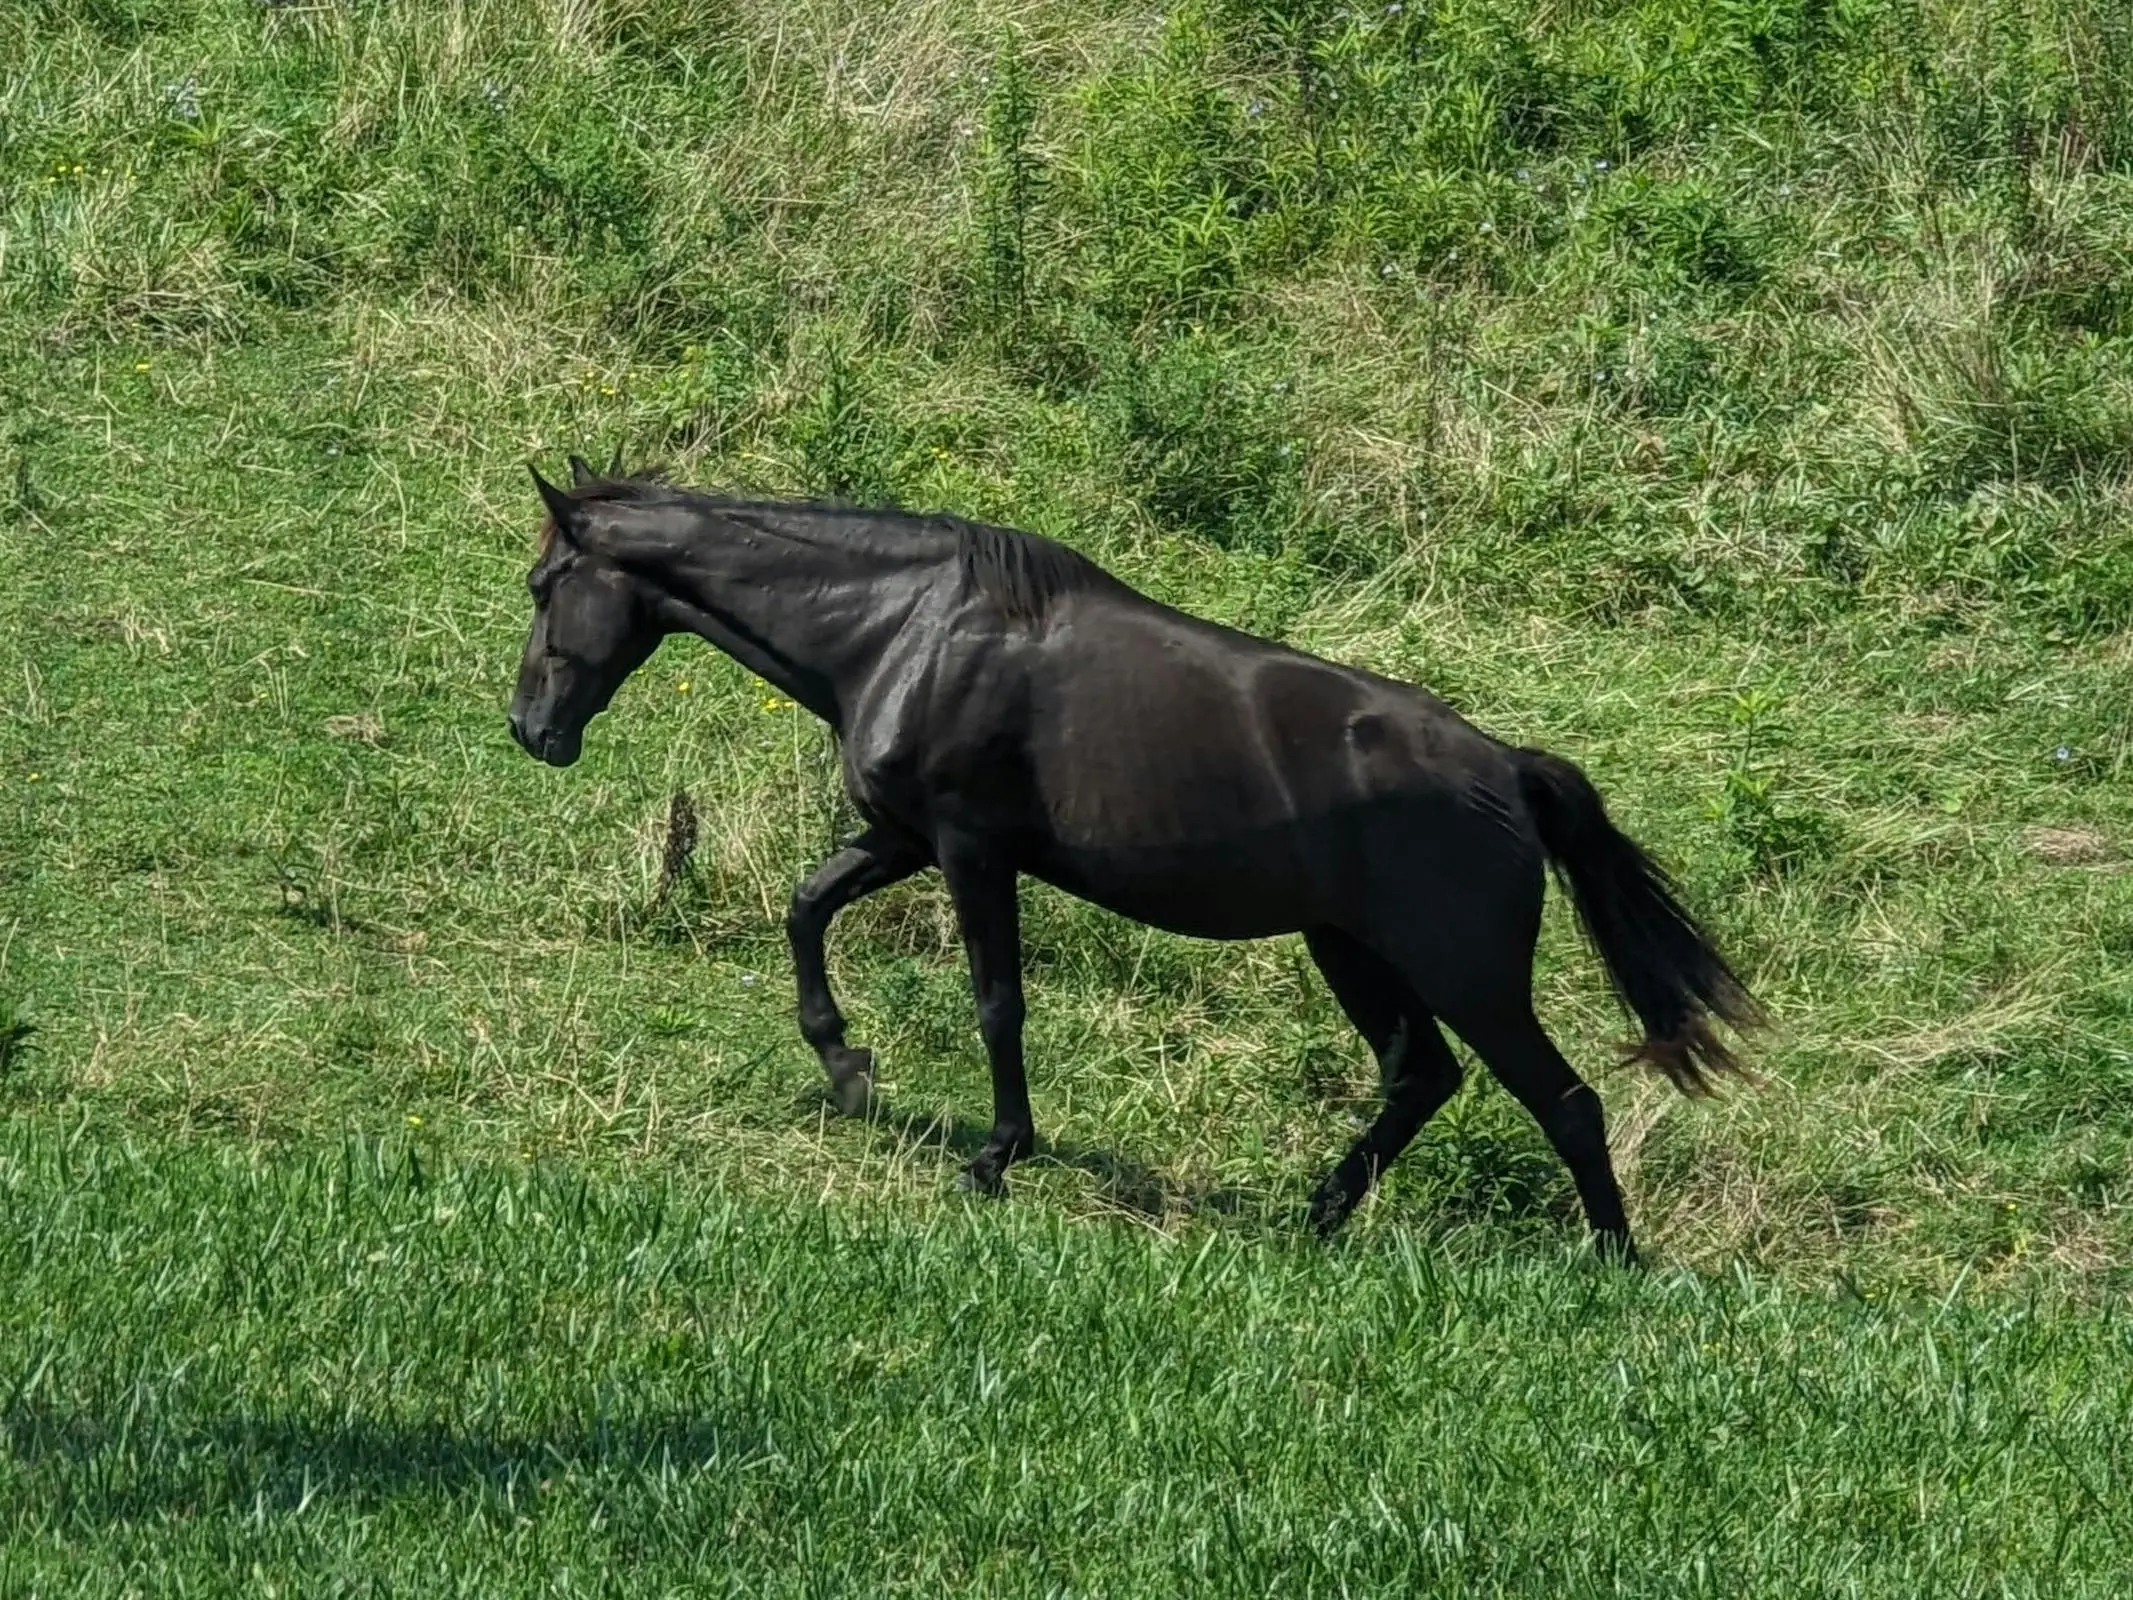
point(945, 700)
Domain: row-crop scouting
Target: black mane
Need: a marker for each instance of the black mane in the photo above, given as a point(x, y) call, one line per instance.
point(1019, 573)
point(1022, 573)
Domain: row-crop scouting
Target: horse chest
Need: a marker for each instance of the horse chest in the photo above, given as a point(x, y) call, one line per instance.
point(916, 784)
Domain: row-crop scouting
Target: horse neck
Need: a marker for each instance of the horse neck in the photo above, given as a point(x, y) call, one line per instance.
point(792, 602)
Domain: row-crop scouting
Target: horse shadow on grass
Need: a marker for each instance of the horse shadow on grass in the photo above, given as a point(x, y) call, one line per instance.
point(1486, 1180)
point(1120, 1183)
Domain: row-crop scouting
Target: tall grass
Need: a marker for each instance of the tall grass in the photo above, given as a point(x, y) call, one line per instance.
point(1739, 308)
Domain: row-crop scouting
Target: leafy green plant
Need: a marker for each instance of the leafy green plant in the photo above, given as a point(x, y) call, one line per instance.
point(927, 1004)
point(1174, 180)
point(1681, 231)
point(1769, 834)
point(1011, 184)
point(847, 445)
point(1205, 437)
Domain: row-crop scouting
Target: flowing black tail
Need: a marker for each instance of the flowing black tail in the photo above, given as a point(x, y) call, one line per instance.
point(1662, 964)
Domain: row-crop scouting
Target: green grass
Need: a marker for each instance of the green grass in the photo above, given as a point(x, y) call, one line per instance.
point(1735, 398)
point(366, 1369)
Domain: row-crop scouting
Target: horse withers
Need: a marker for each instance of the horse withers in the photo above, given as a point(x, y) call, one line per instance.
point(1003, 706)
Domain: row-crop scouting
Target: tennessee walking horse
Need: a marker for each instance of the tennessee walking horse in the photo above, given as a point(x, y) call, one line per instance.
point(1003, 706)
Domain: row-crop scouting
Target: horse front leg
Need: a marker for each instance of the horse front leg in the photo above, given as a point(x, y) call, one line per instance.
point(983, 890)
point(872, 861)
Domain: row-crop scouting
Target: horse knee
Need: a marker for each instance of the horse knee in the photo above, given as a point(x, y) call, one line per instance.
point(803, 914)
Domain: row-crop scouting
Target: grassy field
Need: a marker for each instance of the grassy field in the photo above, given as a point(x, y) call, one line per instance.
point(364, 1371)
point(1737, 398)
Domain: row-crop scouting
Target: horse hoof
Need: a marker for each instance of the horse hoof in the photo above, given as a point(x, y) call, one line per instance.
point(853, 1084)
point(1329, 1208)
point(985, 1180)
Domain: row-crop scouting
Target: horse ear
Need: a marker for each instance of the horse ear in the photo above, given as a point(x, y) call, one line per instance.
point(581, 472)
point(560, 506)
point(614, 467)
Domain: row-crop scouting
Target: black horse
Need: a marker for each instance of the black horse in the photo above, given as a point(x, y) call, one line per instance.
point(1005, 706)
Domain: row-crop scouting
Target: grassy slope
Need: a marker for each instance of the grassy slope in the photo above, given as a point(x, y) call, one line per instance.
point(1734, 399)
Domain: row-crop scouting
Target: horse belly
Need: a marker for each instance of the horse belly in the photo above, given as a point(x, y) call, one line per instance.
point(1244, 887)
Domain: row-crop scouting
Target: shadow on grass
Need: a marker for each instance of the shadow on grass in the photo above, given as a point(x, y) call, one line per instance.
point(1122, 1184)
point(95, 1472)
point(1491, 1181)
point(1488, 1178)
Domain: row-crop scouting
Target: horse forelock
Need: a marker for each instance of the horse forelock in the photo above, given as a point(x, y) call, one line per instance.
point(645, 485)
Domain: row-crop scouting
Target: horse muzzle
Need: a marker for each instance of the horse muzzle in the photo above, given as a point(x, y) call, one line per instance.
point(555, 746)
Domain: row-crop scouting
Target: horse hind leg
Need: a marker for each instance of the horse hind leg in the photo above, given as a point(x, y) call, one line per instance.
point(1525, 1061)
point(1420, 1072)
